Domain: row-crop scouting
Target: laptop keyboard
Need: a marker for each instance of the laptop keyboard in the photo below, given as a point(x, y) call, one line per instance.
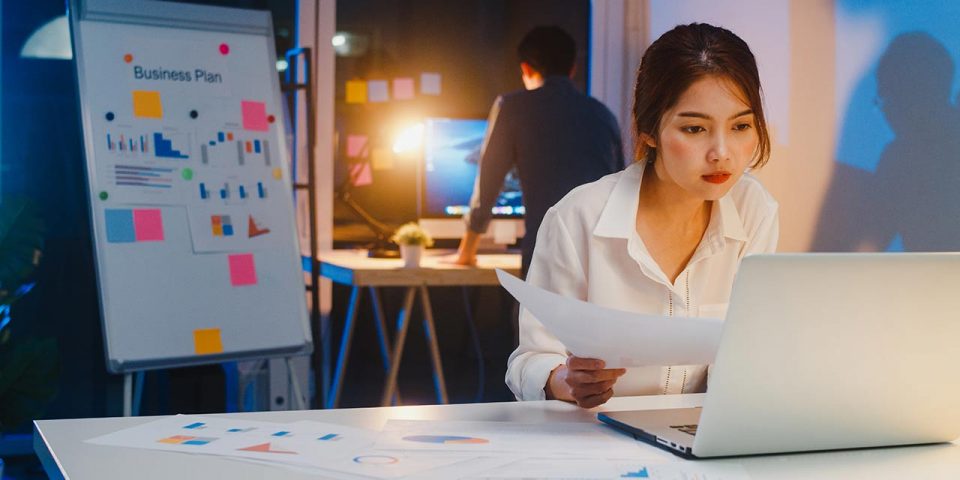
point(689, 429)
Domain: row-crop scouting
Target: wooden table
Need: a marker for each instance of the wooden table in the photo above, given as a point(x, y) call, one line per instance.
point(354, 268)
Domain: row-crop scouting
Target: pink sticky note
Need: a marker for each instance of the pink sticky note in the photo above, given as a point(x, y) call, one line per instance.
point(355, 145)
point(361, 174)
point(254, 116)
point(242, 270)
point(403, 88)
point(148, 225)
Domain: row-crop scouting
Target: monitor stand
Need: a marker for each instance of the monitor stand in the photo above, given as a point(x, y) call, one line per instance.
point(500, 232)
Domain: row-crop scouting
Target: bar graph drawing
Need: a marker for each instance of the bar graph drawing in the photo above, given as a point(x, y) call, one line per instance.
point(128, 144)
point(142, 176)
point(219, 150)
point(164, 147)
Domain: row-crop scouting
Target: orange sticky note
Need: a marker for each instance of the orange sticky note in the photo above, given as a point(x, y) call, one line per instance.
point(146, 104)
point(207, 341)
point(382, 158)
point(356, 91)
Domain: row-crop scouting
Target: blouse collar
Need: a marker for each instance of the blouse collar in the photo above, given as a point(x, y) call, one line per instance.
point(618, 218)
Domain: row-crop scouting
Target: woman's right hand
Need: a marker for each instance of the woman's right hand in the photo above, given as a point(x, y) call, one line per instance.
point(584, 381)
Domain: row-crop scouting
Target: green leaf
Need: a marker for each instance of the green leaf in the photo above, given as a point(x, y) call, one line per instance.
point(21, 240)
point(29, 371)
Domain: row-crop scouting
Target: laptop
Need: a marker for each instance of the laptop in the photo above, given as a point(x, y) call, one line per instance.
point(824, 352)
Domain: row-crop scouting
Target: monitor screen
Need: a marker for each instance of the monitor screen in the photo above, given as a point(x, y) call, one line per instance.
point(451, 153)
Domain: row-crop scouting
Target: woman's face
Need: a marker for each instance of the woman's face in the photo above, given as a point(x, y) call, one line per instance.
point(706, 141)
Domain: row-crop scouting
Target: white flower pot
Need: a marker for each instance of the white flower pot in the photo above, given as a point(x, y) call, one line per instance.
point(411, 255)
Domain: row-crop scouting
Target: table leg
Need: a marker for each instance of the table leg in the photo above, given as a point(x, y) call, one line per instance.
point(385, 353)
point(403, 323)
point(334, 395)
point(430, 331)
point(325, 358)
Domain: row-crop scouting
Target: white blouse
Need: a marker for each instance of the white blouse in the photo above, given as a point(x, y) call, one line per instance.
point(588, 248)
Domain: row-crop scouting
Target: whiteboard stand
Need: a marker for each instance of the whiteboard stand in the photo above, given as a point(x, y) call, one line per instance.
point(132, 395)
point(133, 390)
point(297, 394)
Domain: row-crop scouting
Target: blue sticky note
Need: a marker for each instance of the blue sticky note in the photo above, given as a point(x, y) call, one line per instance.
point(120, 226)
point(228, 230)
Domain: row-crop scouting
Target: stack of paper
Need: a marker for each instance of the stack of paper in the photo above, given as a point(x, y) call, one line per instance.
point(421, 449)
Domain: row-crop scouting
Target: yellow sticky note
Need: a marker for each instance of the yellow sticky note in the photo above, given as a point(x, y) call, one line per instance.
point(277, 173)
point(356, 91)
point(207, 341)
point(382, 158)
point(146, 104)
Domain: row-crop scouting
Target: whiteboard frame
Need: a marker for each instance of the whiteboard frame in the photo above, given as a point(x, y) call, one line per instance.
point(192, 17)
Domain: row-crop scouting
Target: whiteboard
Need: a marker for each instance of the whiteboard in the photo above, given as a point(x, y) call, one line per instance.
point(193, 225)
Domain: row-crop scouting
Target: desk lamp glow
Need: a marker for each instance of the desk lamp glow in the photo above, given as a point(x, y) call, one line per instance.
point(407, 143)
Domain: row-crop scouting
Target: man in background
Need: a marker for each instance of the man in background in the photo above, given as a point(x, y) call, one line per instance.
point(557, 137)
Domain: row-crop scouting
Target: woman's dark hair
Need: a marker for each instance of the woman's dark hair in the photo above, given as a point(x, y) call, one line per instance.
point(679, 58)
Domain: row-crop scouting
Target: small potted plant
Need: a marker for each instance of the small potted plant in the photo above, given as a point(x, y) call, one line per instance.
point(412, 241)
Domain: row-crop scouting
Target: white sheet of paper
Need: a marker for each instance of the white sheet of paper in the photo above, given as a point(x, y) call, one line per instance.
point(304, 446)
point(507, 438)
point(242, 438)
point(389, 465)
point(610, 468)
point(621, 339)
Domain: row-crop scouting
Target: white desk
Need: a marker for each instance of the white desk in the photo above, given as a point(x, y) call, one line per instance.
point(60, 446)
point(354, 268)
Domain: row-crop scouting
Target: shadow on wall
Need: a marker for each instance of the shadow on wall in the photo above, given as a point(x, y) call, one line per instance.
point(908, 199)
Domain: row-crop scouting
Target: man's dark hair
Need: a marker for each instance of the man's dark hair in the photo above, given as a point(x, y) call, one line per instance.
point(549, 50)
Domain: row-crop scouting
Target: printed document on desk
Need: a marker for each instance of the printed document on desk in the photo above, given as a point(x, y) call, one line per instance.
point(498, 439)
point(621, 339)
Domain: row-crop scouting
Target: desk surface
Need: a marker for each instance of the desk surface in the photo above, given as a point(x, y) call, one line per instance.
point(60, 444)
point(353, 267)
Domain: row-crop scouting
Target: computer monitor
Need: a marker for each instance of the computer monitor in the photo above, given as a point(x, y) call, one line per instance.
point(451, 152)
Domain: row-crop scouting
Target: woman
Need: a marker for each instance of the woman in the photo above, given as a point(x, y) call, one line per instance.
point(666, 235)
